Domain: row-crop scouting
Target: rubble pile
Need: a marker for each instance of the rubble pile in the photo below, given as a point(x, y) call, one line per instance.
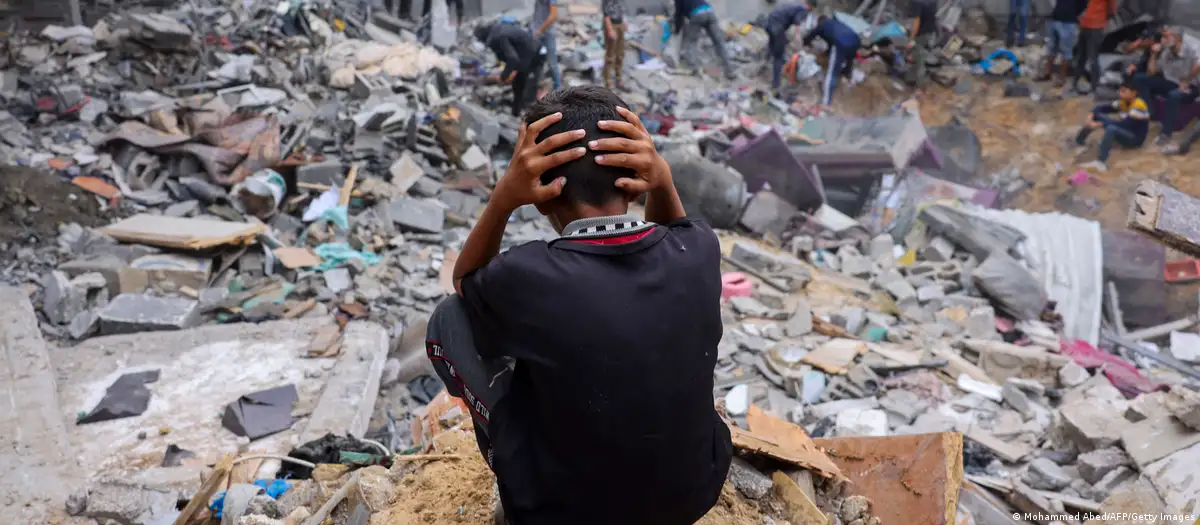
point(255, 208)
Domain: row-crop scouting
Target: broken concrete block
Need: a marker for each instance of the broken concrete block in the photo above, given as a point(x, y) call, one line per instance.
point(882, 248)
point(855, 265)
point(1044, 474)
point(802, 244)
point(84, 324)
point(897, 285)
point(1094, 465)
point(1018, 400)
point(939, 250)
point(767, 213)
point(474, 158)
point(130, 313)
point(749, 306)
point(421, 216)
point(1002, 360)
point(1114, 481)
point(405, 172)
point(855, 318)
point(338, 280)
point(129, 504)
point(1176, 479)
point(903, 404)
point(800, 323)
point(1155, 438)
point(748, 480)
point(930, 292)
point(329, 173)
point(1071, 375)
point(61, 301)
point(856, 422)
point(460, 203)
point(1184, 404)
point(981, 323)
point(1092, 424)
point(1185, 346)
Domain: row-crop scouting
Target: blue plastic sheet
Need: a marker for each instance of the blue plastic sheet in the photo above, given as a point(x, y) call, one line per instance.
point(987, 62)
point(274, 489)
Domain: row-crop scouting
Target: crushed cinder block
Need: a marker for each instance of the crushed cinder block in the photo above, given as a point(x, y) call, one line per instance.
point(474, 158)
point(897, 285)
point(1092, 424)
point(329, 173)
point(748, 480)
point(417, 215)
point(939, 250)
point(902, 404)
point(1095, 465)
point(126, 503)
point(130, 313)
point(405, 173)
point(1044, 474)
point(767, 213)
point(1184, 404)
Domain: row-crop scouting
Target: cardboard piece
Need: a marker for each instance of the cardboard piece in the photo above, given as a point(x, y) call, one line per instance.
point(909, 479)
point(783, 441)
point(182, 233)
point(835, 356)
point(262, 413)
point(295, 257)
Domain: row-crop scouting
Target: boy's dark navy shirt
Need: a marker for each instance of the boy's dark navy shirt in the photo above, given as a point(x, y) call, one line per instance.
point(615, 342)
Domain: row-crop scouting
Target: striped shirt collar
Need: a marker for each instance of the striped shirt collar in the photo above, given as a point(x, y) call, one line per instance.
point(608, 226)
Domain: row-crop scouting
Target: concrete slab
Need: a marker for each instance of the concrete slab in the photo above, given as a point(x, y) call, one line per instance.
point(203, 369)
point(1175, 478)
point(35, 449)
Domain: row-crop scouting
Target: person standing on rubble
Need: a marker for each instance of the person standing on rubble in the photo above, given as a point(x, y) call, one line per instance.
point(1018, 23)
point(843, 48)
point(545, 14)
point(522, 56)
point(588, 359)
point(781, 19)
point(614, 42)
point(1091, 35)
point(1062, 30)
point(691, 17)
point(1129, 129)
point(1170, 73)
point(922, 39)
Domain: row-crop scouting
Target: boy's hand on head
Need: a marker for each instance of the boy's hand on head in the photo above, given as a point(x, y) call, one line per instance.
point(634, 151)
point(522, 183)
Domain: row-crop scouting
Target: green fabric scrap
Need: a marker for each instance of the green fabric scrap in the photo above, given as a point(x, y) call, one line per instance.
point(336, 254)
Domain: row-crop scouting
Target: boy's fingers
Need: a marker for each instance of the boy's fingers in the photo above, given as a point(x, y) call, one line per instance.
point(631, 117)
point(521, 136)
point(549, 191)
point(559, 140)
point(555, 160)
point(622, 160)
point(622, 127)
point(632, 185)
point(536, 128)
point(614, 144)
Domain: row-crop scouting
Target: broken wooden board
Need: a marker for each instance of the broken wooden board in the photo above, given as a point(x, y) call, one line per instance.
point(835, 356)
point(909, 479)
point(1166, 215)
point(295, 257)
point(182, 233)
point(957, 364)
point(800, 509)
point(776, 438)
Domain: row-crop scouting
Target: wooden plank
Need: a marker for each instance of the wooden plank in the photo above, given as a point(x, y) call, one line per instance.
point(182, 233)
point(957, 364)
point(800, 509)
point(909, 479)
point(207, 489)
point(791, 442)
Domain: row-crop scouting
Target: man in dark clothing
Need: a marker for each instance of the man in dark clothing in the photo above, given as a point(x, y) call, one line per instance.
point(1062, 30)
point(590, 356)
point(1091, 35)
point(843, 47)
point(923, 38)
point(1170, 73)
point(522, 56)
point(693, 16)
point(1018, 23)
point(779, 21)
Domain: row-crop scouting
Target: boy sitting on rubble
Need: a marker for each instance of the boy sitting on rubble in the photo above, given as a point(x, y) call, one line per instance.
point(1129, 129)
point(588, 359)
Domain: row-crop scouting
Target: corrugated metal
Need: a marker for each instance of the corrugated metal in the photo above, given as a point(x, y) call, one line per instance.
point(1067, 253)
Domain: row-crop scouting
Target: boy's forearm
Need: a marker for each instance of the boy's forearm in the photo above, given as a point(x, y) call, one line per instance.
point(663, 205)
point(483, 243)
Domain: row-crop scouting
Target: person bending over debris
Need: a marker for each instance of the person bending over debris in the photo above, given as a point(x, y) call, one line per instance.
point(1062, 30)
point(779, 21)
point(843, 47)
point(923, 38)
point(692, 16)
point(614, 42)
point(1170, 73)
point(522, 57)
point(1128, 130)
point(589, 358)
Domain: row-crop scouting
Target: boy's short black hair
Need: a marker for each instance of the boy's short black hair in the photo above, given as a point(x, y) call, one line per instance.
point(1129, 84)
point(582, 107)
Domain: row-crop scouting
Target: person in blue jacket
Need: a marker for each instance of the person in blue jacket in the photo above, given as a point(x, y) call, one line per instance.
point(843, 47)
point(781, 19)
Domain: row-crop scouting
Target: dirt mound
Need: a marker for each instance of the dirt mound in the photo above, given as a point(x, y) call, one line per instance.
point(33, 203)
point(459, 491)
